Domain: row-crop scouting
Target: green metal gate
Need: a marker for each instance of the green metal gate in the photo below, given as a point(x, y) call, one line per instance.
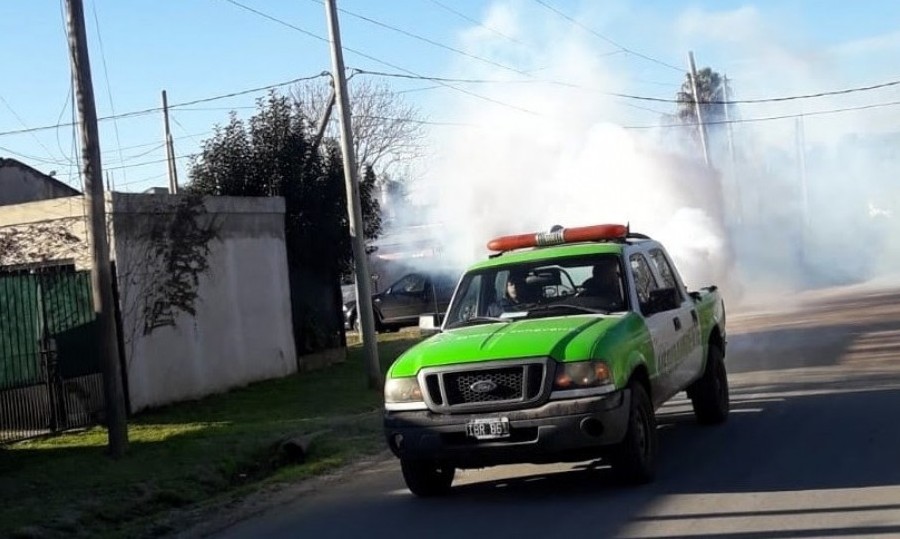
point(50, 376)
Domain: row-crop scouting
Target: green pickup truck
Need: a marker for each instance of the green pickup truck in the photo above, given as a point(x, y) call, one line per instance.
point(558, 348)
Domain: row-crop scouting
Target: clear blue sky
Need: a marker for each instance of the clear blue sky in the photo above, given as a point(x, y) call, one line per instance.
point(201, 48)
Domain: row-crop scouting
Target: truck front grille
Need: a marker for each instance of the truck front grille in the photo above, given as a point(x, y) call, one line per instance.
point(485, 387)
point(507, 383)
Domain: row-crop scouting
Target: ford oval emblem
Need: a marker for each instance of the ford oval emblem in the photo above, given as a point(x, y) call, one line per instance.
point(483, 386)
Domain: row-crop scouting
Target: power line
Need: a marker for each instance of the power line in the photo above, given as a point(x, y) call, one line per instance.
point(411, 90)
point(413, 121)
point(773, 99)
point(21, 121)
point(147, 179)
point(279, 21)
point(608, 40)
point(142, 154)
point(35, 158)
point(145, 163)
point(204, 109)
point(143, 112)
point(414, 76)
point(157, 144)
point(770, 118)
point(488, 81)
point(427, 40)
point(470, 19)
point(640, 97)
point(374, 59)
point(674, 125)
point(112, 106)
point(188, 135)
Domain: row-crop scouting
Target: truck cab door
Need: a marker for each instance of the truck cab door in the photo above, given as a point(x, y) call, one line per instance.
point(685, 320)
point(660, 324)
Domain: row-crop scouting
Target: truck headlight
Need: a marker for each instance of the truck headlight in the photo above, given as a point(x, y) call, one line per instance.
point(403, 394)
point(581, 375)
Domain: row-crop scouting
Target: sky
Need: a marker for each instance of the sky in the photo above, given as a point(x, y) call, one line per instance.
point(200, 48)
point(547, 137)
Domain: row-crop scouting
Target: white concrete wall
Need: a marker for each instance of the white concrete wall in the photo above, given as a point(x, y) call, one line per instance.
point(241, 332)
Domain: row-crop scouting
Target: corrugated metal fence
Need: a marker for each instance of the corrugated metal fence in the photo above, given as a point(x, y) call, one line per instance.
point(49, 362)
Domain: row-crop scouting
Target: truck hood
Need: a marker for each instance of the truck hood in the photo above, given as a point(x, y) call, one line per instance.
point(562, 338)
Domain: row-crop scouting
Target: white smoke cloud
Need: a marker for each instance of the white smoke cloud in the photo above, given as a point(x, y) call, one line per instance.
point(571, 162)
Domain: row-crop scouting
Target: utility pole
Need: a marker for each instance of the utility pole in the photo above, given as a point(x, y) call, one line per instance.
point(101, 278)
point(804, 197)
point(170, 148)
point(363, 288)
point(700, 125)
point(801, 163)
point(323, 122)
point(726, 92)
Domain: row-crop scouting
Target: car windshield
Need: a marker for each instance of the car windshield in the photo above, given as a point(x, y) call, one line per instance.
point(562, 286)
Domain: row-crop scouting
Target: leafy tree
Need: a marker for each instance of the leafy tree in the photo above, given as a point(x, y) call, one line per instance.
point(712, 92)
point(270, 155)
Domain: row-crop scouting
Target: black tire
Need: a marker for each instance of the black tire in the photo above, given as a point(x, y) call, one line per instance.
point(427, 479)
point(634, 458)
point(709, 394)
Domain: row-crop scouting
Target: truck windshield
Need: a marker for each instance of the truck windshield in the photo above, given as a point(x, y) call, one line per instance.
point(561, 286)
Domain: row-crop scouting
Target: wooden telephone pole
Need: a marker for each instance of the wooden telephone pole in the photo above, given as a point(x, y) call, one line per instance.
point(363, 283)
point(101, 278)
point(170, 148)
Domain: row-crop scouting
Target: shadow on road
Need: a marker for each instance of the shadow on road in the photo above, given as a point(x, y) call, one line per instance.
point(810, 450)
point(767, 445)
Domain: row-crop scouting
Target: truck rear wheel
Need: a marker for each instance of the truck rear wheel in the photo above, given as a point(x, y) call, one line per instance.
point(634, 459)
point(709, 394)
point(425, 478)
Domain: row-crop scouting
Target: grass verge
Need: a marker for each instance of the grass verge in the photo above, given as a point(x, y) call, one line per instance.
point(189, 453)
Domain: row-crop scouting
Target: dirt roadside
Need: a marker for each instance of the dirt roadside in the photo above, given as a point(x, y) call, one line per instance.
point(220, 514)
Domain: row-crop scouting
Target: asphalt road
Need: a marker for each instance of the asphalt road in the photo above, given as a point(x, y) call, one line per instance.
point(811, 449)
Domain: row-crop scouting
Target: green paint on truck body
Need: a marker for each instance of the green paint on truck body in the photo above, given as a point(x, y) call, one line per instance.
point(622, 340)
point(564, 338)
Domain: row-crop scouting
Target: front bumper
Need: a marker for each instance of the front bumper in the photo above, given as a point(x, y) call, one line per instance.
point(573, 429)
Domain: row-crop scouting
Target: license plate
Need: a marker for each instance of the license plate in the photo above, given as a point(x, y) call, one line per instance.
point(488, 429)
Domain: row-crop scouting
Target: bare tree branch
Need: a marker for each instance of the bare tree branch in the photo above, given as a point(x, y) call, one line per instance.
point(386, 132)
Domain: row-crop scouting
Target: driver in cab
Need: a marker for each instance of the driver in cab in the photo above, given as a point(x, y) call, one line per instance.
point(513, 299)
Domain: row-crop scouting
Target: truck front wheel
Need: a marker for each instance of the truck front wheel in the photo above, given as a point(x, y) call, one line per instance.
point(634, 459)
point(426, 478)
point(709, 394)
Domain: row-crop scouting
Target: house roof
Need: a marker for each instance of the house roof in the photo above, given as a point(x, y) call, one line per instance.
point(9, 162)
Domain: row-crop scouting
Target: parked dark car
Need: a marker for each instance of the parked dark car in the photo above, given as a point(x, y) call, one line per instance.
point(403, 302)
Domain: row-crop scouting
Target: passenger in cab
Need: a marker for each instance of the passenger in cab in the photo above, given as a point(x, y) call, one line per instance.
point(606, 285)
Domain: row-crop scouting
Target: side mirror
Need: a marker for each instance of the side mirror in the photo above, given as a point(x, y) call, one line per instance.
point(663, 299)
point(430, 323)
